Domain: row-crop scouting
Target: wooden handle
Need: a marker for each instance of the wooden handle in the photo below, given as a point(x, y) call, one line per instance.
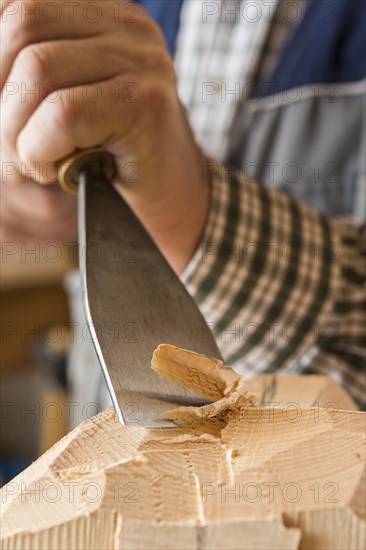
point(69, 168)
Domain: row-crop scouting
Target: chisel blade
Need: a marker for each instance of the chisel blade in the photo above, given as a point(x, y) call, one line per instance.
point(133, 302)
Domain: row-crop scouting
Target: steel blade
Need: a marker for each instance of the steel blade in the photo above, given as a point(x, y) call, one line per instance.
point(133, 302)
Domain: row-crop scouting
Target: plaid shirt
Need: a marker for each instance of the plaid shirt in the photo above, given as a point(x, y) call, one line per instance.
point(210, 54)
point(281, 286)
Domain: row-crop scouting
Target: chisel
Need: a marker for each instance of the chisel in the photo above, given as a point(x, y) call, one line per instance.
point(133, 300)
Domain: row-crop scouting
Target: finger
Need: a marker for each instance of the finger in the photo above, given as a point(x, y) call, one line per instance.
point(80, 123)
point(53, 212)
point(27, 22)
point(31, 21)
point(41, 70)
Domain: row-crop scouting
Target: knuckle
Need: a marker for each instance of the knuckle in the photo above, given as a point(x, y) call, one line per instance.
point(25, 155)
point(157, 94)
point(159, 59)
point(142, 19)
point(155, 89)
point(153, 30)
point(33, 61)
point(63, 111)
point(146, 26)
point(18, 22)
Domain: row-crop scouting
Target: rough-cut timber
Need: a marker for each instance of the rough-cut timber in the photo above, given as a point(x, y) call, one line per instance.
point(234, 475)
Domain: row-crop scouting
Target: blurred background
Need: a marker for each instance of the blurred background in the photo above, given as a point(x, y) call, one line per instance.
point(35, 336)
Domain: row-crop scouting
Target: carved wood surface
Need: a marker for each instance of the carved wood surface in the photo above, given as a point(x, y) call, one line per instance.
point(280, 477)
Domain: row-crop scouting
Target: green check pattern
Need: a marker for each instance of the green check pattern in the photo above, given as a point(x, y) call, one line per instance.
point(281, 286)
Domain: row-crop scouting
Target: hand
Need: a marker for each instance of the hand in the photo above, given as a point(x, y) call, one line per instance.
point(110, 82)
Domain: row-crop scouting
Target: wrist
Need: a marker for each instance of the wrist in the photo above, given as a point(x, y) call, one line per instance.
point(179, 240)
point(172, 202)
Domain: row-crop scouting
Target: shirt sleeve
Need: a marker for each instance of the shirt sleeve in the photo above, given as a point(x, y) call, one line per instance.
point(281, 286)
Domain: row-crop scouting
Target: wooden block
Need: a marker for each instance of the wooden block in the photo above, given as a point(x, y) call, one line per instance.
point(258, 478)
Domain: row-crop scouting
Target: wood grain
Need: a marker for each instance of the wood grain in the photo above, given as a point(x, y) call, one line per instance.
point(278, 477)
